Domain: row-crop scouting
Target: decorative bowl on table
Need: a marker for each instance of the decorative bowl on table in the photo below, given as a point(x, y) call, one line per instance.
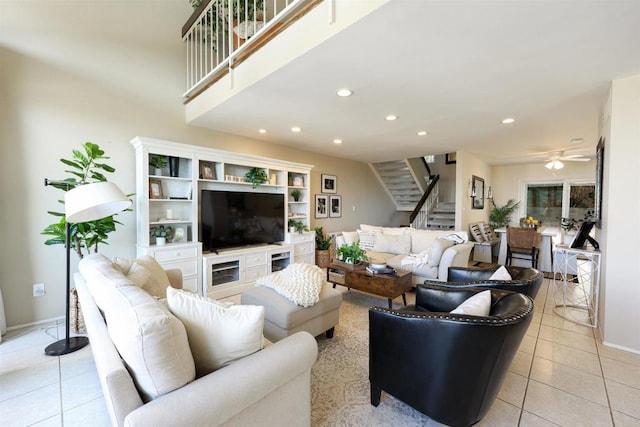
point(378, 265)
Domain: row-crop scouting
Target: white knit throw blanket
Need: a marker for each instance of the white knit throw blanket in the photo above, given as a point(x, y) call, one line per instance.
point(300, 283)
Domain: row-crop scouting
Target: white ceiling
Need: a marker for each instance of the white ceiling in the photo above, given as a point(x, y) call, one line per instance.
point(455, 69)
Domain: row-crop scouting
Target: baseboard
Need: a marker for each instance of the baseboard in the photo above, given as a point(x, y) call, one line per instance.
point(39, 322)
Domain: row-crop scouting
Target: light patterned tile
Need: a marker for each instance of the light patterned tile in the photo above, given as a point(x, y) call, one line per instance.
point(521, 363)
point(93, 413)
point(533, 330)
point(572, 357)
point(76, 363)
point(80, 389)
point(530, 420)
point(559, 322)
point(623, 420)
point(571, 380)
point(22, 381)
point(31, 407)
point(624, 399)
point(54, 421)
point(501, 414)
point(513, 389)
point(620, 355)
point(621, 372)
point(528, 344)
point(564, 408)
point(568, 338)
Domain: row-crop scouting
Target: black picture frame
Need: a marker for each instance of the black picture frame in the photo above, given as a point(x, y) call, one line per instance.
point(335, 206)
point(477, 185)
point(599, 182)
point(450, 158)
point(322, 206)
point(329, 184)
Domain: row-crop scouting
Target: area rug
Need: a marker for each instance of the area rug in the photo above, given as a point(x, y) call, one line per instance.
point(340, 377)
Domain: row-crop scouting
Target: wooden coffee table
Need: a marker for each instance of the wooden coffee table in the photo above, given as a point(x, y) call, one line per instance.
point(388, 286)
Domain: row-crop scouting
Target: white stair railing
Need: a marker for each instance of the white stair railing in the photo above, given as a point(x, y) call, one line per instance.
point(224, 29)
point(421, 221)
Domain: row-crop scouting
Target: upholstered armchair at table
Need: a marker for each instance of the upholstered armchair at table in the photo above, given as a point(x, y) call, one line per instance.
point(448, 366)
point(524, 280)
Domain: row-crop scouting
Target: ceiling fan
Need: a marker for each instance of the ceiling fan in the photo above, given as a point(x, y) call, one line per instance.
point(554, 161)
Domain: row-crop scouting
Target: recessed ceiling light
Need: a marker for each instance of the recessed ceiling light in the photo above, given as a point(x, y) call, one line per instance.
point(344, 92)
point(577, 141)
point(262, 131)
point(295, 129)
point(391, 117)
point(422, 133)
point(337, 141)
point(508, 121)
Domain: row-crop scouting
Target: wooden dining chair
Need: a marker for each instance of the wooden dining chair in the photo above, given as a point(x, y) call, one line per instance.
point(522, 243)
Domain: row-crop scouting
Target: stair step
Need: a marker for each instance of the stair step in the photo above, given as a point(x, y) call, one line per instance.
point(441, 216)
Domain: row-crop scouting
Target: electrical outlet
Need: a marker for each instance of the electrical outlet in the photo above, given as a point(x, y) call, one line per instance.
point(38, 289)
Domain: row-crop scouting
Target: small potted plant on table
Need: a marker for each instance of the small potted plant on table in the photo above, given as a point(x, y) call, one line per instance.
point(297, 226)
point(351, 256)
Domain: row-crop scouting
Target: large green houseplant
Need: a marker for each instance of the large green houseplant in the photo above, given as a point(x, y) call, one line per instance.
point(501, 216)
point(323, 245)
point(86, 166)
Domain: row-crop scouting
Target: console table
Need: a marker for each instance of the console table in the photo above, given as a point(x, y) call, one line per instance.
point(576, 282)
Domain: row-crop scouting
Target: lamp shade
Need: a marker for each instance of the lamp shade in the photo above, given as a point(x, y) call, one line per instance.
point(94, 201)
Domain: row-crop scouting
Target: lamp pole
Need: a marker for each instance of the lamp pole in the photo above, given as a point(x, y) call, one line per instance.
point(68, 344)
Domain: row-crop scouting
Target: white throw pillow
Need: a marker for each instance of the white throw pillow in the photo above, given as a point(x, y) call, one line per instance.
point(152, 342)
point(146, 273)
point(477, 305)
point(392, 244)
point(365, 227)
point(218, 334)
point(350, 237)
point(437, 249)
point(367, 239)
point(501, 274)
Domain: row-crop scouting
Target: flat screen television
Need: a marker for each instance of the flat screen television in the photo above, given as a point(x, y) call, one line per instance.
point(237, 219)
point(582, 236)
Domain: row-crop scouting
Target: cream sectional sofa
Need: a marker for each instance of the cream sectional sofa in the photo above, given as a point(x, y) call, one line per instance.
point(428, 254)
point(270, 387)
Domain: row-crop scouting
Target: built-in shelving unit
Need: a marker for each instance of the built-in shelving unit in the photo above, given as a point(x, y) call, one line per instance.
point(168, 198)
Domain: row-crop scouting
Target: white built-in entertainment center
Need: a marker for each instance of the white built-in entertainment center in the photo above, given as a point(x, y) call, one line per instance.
point(169, 197)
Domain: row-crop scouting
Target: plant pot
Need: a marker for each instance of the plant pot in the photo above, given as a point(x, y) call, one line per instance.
point(322, 258)
point(161, 241)
point(292, 230)
point(174, 166)
point(157, 171)
point(349, 266)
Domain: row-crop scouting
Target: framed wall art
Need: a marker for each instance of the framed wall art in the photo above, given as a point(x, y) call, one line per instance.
point(207, 171)
point(599, 177)
point(329, 184)
point(335, 206)
point(322, 206)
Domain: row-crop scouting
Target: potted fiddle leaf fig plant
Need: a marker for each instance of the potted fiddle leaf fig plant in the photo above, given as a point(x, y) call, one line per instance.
point(323, 246)
point(86, 166)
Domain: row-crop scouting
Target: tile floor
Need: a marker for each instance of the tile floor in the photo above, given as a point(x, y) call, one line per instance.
point(561, 376)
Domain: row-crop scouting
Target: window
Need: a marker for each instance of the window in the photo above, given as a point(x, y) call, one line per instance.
point(550, 201)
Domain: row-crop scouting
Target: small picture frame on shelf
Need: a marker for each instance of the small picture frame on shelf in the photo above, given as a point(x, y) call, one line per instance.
point(329, 183)
point(179, 234)
point(207, 171)
point(335, 206)
point(322, 206)
point(155, 189)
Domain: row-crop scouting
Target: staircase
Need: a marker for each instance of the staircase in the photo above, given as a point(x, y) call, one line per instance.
point(443, 216)
point(400, 182)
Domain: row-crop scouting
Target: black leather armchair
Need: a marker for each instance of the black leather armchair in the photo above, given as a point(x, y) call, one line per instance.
point(448, 366)
point(523, 280)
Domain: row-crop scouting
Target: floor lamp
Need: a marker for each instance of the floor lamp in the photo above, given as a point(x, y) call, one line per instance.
point(83, 203)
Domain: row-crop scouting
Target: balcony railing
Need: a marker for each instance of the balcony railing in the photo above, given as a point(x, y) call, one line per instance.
point(222, 33)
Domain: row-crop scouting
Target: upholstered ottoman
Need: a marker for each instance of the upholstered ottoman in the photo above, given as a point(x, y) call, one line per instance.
point(283, 317)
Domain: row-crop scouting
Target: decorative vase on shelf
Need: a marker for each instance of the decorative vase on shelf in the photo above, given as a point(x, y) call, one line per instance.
point(174, 166)
point(161, 241)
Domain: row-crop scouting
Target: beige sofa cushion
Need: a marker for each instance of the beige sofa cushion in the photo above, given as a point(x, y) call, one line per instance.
point(392, 243)
point(437, 249)
point(218, 334)
point(146, 273)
